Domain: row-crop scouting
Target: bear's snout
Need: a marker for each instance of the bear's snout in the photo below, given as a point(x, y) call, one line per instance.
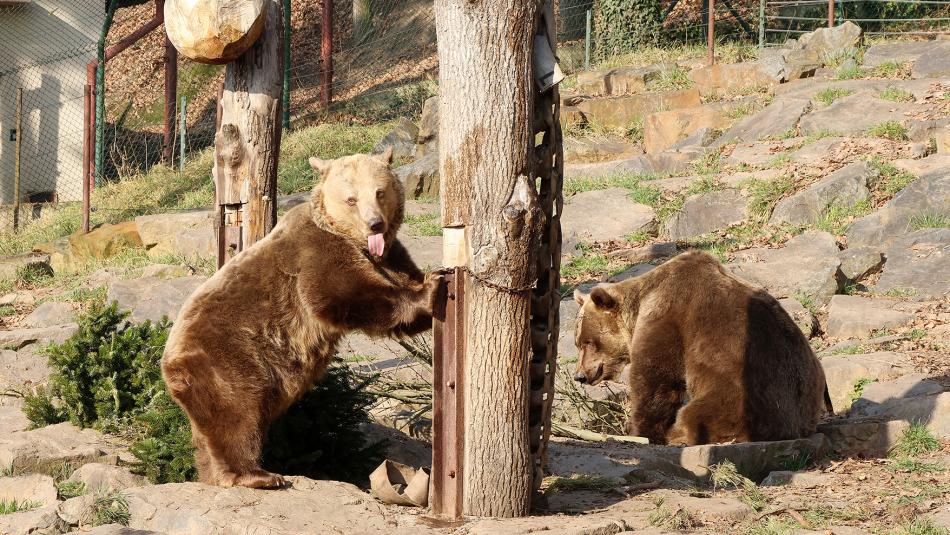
point(377, 225)
point(580, 377)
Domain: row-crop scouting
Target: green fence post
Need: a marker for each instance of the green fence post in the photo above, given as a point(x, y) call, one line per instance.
point(287, 36)
point(182, 134)
point(761, 23)
point(587, 42)
point(101, 90)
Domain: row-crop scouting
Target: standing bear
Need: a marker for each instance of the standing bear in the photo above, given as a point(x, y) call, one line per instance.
point(711, 358)
point(257, 335)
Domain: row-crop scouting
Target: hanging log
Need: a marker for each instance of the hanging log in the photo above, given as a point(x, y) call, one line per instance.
point(214, 31)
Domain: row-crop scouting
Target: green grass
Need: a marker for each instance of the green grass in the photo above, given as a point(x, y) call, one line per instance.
point(585, 266)
point(710, 164)
point(725, 475)
point(634, 131)
point(70, 489)
point(891, 179)
point(779, 160)
point(916, 440)
point(901, 292)
point(815, 136)
point(15, 506)
point(859, 386)
point(850, 72)
point(678, 519)
point(929, 220)
point(896, 94)
point(670, 80)
point(892, 69)
point(639, 192)
point(831, 94)
point(836, 219)
point(7, 311)
point(578, 482)
point(770, 525)
point(110, 508)
point(740, 111)
point(764, 194)
point(892, 130)
point(164, 189)
point(907, 464)
point(424, 224)
point(920, 526)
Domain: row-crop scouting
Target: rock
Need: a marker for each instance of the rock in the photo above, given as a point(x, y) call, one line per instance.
point(808, 265)
point(49, 314)
point(853, 114)
point(855, 317)
point(603, 215)
point(421, 177)
point(426, 251)
point(190, 234)
point(151, 298)
point(106, 477)
point(934, 63)
point(620, 112)
point(18, 338)
point(594, 82)
point(647, 253)
point(730, 77)
point(116, 529)
point(859, 262)
point(164, 271)
point(816, 154)
point(105, 241)
point(307, 506)
point(918, 263)
point(47, 448)
point(572, 118)
point(428, 140)
point(631, 272)
point(619, 81)
point(942, 137)
point(752, 459)
point(697, 141)
point(755, 155)
point(711, 509)
point(399, 446)
point(560, 524)
point(626, 462)
point(912, 398)
point(800, 64)
point(42, 521)
point(895, 52)
point(647, 163)
point(23, 368)
point(79, 510)
point(829, 43)
point(596, 150)
point(775, 120)
point(857, 438)
point(845, 187)
point(10, 265)
point(402, 138)
point(929, 194)
point(568, 318)
point(286, 202)
point(842, 373)
point(12, 420)
point(806, 480)
point(36, 488)
point(707, 212)
point(923, 130)
point(663, 129)
point(800, 315)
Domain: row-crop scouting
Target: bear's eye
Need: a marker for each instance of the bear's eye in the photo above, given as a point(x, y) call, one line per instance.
point(380, 193)
point(351, 201)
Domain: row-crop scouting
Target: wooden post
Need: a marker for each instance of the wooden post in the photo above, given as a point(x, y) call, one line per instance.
point(171, 96)
point(16, 158)
point(831, 13)
point(326, 52)
point(247, 141)
point(492, 224)
point(711, 33)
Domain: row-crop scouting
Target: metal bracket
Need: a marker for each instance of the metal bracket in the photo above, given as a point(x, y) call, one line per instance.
point(230, 236)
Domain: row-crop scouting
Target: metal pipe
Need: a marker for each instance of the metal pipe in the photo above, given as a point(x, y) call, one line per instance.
point(171, 96)
point(16, 158)
point(86, 152)
point(761, 23)
point(100, 90)
point(587, 42)
point(831, 13)
point(287, 56)
point(711, 32)
point(326, 52)
point(182, 132)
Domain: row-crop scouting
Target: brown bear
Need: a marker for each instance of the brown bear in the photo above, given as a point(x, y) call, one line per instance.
point(257, 335)
point(711, 359)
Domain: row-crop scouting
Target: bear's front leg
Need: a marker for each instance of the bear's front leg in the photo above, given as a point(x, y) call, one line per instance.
point(652, 406)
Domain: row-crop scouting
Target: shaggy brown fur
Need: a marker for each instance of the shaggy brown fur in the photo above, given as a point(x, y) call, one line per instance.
point(690, 330)
point(258, 334)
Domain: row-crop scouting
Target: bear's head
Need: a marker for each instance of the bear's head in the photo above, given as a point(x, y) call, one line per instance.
point(599, 336)
point(360, 198)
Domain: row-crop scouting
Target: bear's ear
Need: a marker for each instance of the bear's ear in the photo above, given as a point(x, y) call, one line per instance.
point(320, 166)
point(579, 297)
point(603, 298)
point(387, 156)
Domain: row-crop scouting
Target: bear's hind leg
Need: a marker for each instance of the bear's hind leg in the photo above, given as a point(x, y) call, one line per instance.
point(653, 408)
point(235, 458)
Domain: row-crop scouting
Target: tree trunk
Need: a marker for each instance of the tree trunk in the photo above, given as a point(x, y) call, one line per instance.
point(362, 20)
point(486, 93)
point(247, 143)
point(214, 32)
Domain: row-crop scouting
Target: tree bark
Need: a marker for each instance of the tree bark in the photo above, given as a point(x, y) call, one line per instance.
point(214, 32)
point(486, 93)
point(247, 142)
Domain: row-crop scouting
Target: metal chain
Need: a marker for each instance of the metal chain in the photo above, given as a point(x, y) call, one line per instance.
point(493, 285)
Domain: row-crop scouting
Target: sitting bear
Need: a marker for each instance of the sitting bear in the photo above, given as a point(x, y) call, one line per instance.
point(257, 335)
point(691, 333)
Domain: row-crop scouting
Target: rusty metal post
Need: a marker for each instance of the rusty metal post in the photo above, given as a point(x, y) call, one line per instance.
point(448, 416)
point(91, 120)
point(831, 13)
point(86, 153)
point(171, 97)
point(326, 52)
point(16, 158)
point(711, 32)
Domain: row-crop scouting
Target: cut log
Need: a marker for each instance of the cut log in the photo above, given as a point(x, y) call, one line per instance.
point(214, 31)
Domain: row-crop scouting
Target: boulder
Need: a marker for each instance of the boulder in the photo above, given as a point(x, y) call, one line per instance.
point(644, 164)
point(663, 129)
point(913, 398)
point(10, 265)
point(116, 529)
point(426, 251)
point(427, 141)
point(603, 215)
point(934, 63)
point(402, 138)
point(730, 77)
point(854, 114)
point(942, 137)
point(631, 272)
point(851, 316)
point(807, 265)
point(816, 154)
point(421, 177)
point(919, 263)
point(19, 338)
point(708, 509)
point(47, 448)
point(163, 271)
point(49, 314)
point(830, 43)
point(862, 438)
point(106, 477)
point(752, 459)
point(12, 420)
point(23, 368)
point(802, 317)
point(775, 120)
point(859, 262)
point(842, 373)
point(647, 253)
point(895, 52)
point(35, 488)
point(79, 510)
point(929, 194)
point(572, 118)
point(707, 212)
point(42, 521)
point(597, 150)
point(151, 298)
point(568, 310)
point(788, 478)
point(843, 188)
point(190, 234)
point(621, 112)
point(105, 241)
point(755, 154)
point(619, 81)
point(594, 82)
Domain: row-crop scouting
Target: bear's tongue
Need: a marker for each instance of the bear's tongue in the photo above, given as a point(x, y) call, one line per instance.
point(376, 244)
